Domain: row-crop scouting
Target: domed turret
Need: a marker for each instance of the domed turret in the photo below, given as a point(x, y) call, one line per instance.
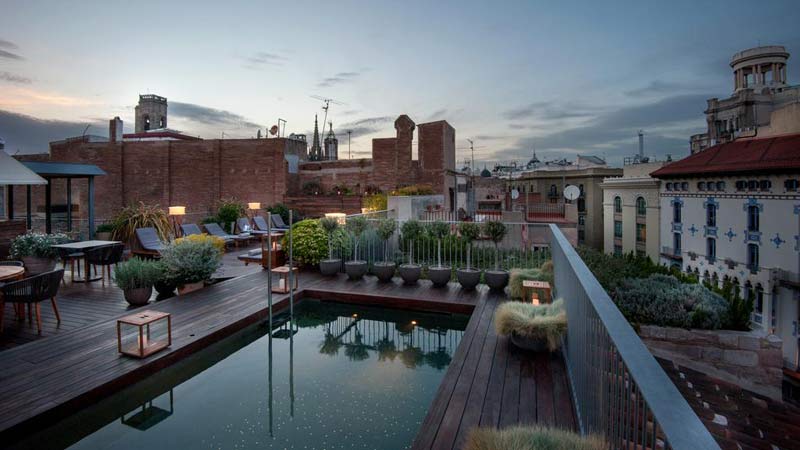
point(760, 67)
point(485, 172)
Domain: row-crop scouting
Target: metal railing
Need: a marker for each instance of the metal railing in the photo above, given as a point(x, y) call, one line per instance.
point(620, 391)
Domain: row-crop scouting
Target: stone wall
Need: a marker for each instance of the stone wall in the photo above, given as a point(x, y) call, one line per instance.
point(743, 358)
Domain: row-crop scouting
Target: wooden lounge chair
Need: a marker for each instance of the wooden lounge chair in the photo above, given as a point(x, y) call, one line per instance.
point(215, 230)
point(278, 223)
point(189, 229)
point(243, 225)
point(32, 291)
point(260, 223)
point(149, 242)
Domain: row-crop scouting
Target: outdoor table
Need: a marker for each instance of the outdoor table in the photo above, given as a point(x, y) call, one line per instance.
point(84, 246)
point(10, 273)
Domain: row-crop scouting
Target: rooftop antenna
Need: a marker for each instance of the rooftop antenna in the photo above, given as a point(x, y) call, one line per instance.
point(349, 155)
point(641, 144)
point(472, 149)
point(327, 102)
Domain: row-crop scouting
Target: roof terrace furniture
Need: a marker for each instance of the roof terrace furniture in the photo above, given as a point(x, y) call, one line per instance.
point(83, 247)
point(70, 256)
point(32, 291)
point(278, 223)
point(189, 229)
point(244, 227)
point(149, 242)
point(11, 264)
point(105, 257)
point(215, 230)
point(260, 223)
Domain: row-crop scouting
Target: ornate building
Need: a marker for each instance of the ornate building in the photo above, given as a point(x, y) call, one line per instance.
point(315, 153)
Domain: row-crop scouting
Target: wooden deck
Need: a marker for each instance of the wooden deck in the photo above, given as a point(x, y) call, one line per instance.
point(488, 382)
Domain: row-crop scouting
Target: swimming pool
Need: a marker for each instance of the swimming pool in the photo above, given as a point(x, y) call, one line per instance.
point(337, 376)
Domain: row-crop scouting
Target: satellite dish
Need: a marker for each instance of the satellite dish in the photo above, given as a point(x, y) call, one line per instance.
point(514, 194)
point(571, 192)
point(274, 130)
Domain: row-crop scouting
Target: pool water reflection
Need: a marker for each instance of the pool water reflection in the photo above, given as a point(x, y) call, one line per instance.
point(337, 376)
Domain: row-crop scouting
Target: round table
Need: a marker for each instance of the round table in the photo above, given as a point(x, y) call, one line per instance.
point(11, 272)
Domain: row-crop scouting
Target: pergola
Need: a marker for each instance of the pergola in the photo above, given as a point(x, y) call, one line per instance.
point(48, 171)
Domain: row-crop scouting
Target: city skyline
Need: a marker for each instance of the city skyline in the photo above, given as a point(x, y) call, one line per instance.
point(513, 78)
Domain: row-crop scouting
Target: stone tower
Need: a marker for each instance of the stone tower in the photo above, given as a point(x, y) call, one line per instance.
point(151, 113)
point(315, 154)
point(331, 145)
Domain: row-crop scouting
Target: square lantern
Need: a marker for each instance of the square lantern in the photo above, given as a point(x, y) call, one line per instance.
point(537, 291)
point(144, 333)
point(282, 287)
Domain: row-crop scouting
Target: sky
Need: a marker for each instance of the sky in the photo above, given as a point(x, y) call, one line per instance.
point(566, 78)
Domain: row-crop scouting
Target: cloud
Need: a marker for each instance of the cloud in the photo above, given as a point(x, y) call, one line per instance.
point(656, 87)
point(11, 78)
point(339, 78)
point(7, 54)
point(364, 127)
point(220, 119)
point(668, 123)
point(28, 134)
point(264, 59)
point(548, 111)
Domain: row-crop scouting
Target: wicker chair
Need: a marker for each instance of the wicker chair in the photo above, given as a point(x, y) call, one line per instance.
point(105, 257)
point(12, 263)
point(71, 257)
point(33, 291)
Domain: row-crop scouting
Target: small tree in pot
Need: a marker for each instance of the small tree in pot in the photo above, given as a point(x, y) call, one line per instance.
point(384, 270)
point(496, 279)
point(36, 251)
point(356, 268)
point(164, 282)
point(439, 274)
point(193, 261)
point(331, 265)
point(136, 277)
point(469, 277)
point(411, 231)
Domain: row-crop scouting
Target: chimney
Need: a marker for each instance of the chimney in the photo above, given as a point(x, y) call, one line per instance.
point(115, 129)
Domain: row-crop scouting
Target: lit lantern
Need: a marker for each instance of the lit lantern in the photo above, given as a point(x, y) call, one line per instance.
point(283, 279)
point(254, 205)
point(177, 210)
point(341, 218)
point(142, 334)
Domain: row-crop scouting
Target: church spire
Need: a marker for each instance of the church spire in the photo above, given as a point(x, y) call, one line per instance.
point(316, 149)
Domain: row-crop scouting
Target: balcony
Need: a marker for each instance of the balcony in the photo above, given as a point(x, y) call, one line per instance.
point(671, 253)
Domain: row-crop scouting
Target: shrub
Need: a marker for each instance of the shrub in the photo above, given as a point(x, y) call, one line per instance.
point(311, 188)
point(356, 225)
point(228, 211)
point(386, 228)
point(411, 230)
point(547, 322)
point(192, 260)
point(141, 216)
point(136, 273)
point(663, 300)
point(375, 202)
point(106, 227)
point(522, 437)
point(218, 242)
point(329, 224)
point(37, 245)
point(520, 275)
point(416, 189)
point(309, 240)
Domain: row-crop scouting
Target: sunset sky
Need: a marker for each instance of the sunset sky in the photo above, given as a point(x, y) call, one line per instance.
point(571, 77)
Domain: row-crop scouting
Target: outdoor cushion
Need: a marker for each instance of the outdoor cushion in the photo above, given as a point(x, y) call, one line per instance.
point(189, 229)
point(260, 223)
point(148, 239)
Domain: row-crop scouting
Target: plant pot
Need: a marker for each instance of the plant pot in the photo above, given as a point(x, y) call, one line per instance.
point(469, 278)
point(384, 270)
point(410, 273)
point(355, 269)
point(165, 289)
point(528, 343)
point(103, 236)
point(184, 289)
point(440, 275)
point(35, 265)
point(497, 280)
point(138, 296)
point(330, 267)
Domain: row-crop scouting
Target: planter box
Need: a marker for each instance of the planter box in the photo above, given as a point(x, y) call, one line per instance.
point(410, 273)
point(469, 278)
point(355, 269)
point(190, 287)
point(497, 280)
point(440, 276)
point(330, 267)
point(384, 270)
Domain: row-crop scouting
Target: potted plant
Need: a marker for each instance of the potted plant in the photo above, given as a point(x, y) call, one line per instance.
point(440, 275)
point(531, 436)
point(164, 282)
point(532, 327)
point(496, 279)
point(331, 265)
point(384, 270)
point(410, 272)
point(36, 251)
point(104, 231)
point(356, 268)
point(192, 261)
point(140, 216)
point(469, 277)
point(136, 277)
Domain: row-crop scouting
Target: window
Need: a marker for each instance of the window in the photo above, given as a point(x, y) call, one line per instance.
point(676, 243)
point(617, 205)
point(641, 206)
point(752, 218)
point(581, 236)
point(752, 185)
point(711, 215)
point(618, 250)
point(747, 293)
point(711, 249)
point(581, 204)
point(146, 122)
point(685, 186)
point(553, 190)
point(741, 185)
point(752, 257)
point(641, 233)
point(676, 212)
point(701, 185)
point(641, 253)
point(710, 185)
point(791, 185)
point(162, 123)
point(758, 304)
point(581, 219)
point(765, 185)
point(669, 186)
point(617, 229)
point(720, 185)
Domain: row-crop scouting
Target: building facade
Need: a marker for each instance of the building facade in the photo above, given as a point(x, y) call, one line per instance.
point(631, 211)
point(732, 213)
point(762, 104)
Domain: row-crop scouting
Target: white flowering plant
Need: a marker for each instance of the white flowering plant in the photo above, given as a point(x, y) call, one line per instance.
point(36, 244)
